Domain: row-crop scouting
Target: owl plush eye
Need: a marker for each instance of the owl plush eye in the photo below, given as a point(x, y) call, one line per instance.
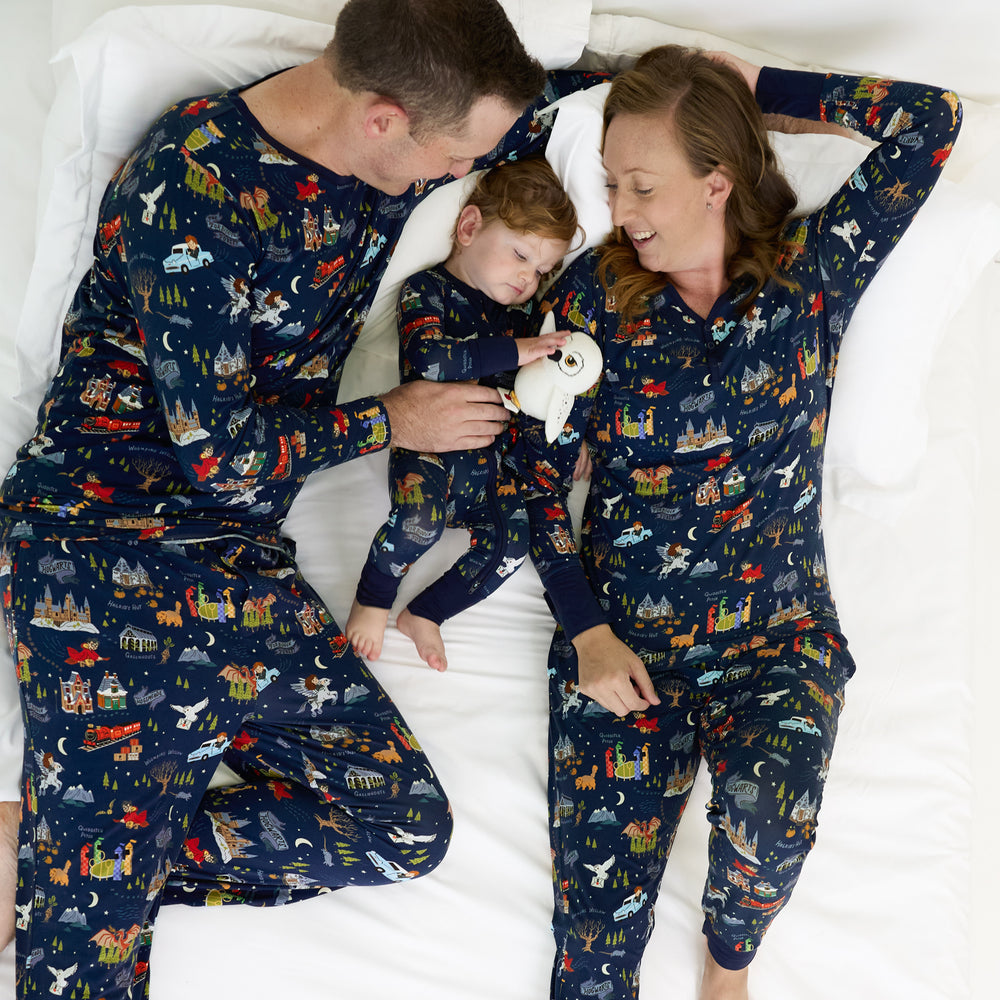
point(546, 391)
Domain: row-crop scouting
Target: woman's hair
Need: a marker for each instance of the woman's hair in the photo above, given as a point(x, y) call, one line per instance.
point(526, 196)
point(718, 126)
point(434, 58)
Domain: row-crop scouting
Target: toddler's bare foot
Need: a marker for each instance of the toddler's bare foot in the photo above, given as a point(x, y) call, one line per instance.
point(8, 869)
point(366, 629)
point(426, 637)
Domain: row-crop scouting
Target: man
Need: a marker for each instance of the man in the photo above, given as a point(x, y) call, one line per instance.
point(238, 251)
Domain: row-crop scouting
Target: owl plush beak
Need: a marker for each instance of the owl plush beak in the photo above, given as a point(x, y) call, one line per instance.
point(545, 388)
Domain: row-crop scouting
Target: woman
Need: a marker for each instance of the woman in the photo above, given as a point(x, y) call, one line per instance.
point(698, 620)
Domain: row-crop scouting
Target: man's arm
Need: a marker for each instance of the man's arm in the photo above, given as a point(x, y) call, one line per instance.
point(530, 133)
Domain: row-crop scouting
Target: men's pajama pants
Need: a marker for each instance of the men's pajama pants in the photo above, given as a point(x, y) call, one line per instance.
point(142, 665)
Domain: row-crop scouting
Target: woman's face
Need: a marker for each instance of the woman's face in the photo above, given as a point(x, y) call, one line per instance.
point(658, 201)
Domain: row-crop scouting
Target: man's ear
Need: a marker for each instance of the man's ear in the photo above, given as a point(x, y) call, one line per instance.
point(383, 117)
point(470, 220)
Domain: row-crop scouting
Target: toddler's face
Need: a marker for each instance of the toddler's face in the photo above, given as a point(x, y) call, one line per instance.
point(505, 264)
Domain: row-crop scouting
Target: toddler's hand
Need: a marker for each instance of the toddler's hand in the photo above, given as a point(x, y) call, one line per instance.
point(532, 348)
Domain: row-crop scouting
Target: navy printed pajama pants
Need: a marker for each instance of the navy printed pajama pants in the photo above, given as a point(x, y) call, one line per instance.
point(141, 667)
point(764, 718)
point(466, 489)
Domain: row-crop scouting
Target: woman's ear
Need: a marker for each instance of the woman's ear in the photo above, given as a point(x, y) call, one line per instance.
point(470, 220)
point(718, 188)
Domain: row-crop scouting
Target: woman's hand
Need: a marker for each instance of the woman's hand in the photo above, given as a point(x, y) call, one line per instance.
point(747, 70)
point(532, 348)
point(584, 467)
point(611, 674)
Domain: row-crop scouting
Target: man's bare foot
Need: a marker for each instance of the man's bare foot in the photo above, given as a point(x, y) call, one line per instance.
point(426, 637)
point(366, 629)
point(718, 983)
point(8, 869)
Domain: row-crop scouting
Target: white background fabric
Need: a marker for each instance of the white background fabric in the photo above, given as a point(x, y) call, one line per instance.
point(896, 901)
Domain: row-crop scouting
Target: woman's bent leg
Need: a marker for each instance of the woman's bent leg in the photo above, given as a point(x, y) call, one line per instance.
point(767, 736)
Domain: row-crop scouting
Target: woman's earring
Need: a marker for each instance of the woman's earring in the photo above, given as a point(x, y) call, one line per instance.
point(709, 205)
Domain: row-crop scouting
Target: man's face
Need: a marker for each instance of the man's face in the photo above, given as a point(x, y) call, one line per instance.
point(402, 161)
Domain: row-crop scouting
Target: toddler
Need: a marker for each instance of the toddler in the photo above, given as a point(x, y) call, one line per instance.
point(467, 318)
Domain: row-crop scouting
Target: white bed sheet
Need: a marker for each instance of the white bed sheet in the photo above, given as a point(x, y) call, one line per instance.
point(894, 902)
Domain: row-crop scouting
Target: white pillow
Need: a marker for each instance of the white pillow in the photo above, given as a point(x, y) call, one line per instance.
point(130, 64)
point(878, 424)
point(555, 32)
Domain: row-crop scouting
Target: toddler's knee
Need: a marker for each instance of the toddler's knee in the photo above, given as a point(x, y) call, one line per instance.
point(425, 524)
point(516, 545)
point(429, 833)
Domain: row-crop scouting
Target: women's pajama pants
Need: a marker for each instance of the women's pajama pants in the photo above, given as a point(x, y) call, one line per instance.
point(763, 716)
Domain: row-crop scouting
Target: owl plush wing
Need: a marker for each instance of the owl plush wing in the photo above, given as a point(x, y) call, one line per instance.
point(560, 406)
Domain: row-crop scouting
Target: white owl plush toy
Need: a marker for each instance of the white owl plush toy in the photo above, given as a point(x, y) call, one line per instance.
point(546, 387)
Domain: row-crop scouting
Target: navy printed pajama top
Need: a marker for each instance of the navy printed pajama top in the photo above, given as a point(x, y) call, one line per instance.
point(703, 528)
point(450, 332)
point(202, 353)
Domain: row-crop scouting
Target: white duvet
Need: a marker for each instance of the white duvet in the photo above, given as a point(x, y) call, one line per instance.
point(885, 908)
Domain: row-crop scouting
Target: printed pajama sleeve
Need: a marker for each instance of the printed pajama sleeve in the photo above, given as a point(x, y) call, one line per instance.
point(250, 437)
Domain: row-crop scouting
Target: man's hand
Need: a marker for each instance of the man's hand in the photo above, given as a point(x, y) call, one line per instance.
point(444, 416)
point(532, 348)
point(611, 674)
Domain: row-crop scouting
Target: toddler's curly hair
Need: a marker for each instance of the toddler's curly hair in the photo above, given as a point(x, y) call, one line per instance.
point(527, 196)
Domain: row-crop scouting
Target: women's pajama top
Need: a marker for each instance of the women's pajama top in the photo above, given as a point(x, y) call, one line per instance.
point(703, 525)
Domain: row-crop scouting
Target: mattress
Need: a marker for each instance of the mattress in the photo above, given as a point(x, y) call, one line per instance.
point(895, 899)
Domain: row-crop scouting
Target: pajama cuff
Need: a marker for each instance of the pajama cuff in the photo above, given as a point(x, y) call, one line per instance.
point(492, 355)
point(376, 589)
point(724, 954)
point(572, 602)
point(790, 92)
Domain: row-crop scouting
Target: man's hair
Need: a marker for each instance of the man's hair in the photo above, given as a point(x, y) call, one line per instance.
point(526, 196)
point(719, 126)
point(434, 58)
